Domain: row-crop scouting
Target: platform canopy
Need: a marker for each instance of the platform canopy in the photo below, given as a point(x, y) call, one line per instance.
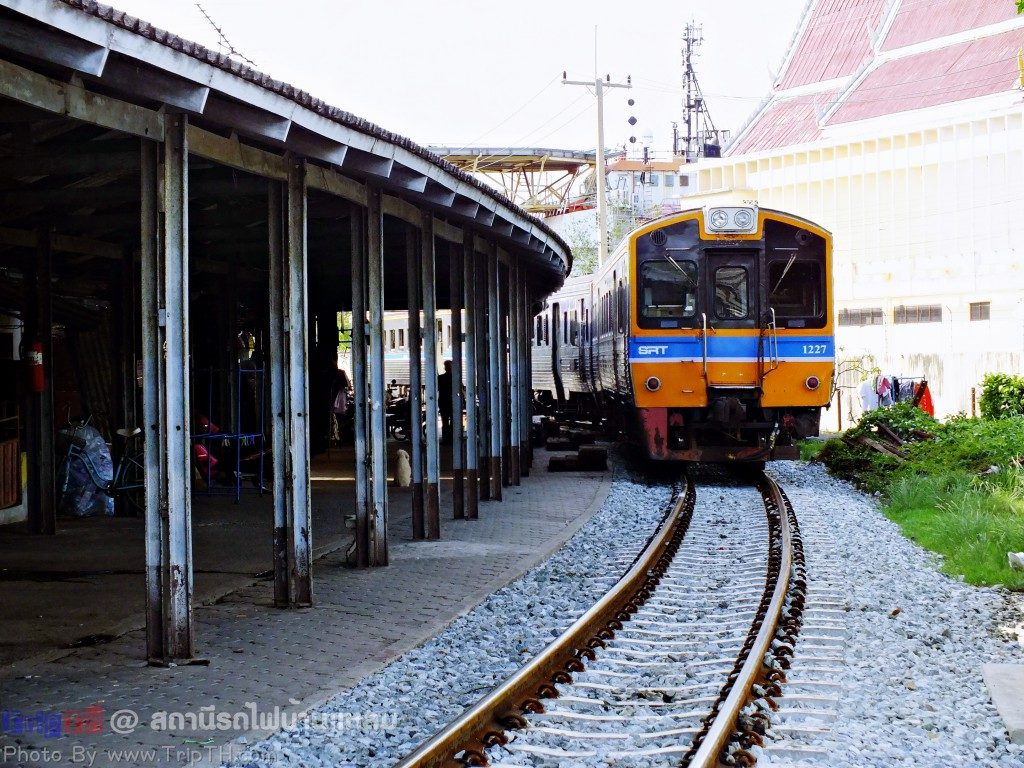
point(103, 68)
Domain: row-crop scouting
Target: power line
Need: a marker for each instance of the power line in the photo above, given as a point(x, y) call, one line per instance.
point(516, 112)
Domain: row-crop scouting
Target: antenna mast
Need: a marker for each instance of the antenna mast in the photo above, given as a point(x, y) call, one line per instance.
point(702, 139)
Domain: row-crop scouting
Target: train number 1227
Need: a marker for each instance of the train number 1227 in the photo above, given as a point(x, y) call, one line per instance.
point(815, 349)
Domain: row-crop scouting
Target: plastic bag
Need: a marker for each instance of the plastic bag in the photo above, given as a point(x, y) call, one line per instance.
point(86, 473)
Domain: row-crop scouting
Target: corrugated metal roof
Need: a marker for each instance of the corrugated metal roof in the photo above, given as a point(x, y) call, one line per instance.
point(835, 42)
point(920, 20)
point(954, 73)
point(300, 97)
point(785, 122)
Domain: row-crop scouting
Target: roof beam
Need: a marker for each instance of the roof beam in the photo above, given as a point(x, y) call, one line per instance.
point(52, 46)
point(231, 152)
point(168, 89)
point(27, 238)
point(51, 164)
point(439, 194)
point(73, 100)
point(368, 163)
point(407, 179)
point(311, 145)
point(248, 120)
point(463, 206)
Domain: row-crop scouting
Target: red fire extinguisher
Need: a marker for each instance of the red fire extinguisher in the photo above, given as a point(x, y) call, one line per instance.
point(34, 358)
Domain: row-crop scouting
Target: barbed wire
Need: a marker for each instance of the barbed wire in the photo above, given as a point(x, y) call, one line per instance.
point(224, 42)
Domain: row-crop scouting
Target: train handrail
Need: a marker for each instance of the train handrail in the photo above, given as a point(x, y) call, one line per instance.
point(704, 336)
point(774, 345)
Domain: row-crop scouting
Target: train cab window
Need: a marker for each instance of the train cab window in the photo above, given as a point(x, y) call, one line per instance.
point(796, 292)
point(732, 293)
point(668, 293)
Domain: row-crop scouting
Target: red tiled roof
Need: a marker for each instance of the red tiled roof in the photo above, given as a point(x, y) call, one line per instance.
point(835, 41)
point(919, 20)
point(783, 123)
point(954, 73)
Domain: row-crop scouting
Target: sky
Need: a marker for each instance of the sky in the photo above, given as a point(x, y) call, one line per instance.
point(456, 73)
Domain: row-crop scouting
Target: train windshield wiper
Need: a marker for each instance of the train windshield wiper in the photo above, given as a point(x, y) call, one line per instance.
point(682, 271)
point(784, 273)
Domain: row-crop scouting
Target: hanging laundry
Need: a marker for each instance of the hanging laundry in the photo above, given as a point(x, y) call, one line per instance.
point(868, 396)
point(885, 391)
point(923, 398)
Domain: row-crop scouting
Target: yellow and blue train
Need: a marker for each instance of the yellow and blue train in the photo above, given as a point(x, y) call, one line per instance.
point(707, 336)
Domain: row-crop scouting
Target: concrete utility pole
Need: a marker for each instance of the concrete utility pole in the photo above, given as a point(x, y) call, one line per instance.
point(602, 211)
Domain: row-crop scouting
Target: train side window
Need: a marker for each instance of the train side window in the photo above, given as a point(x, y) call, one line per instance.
point(667, 293)
point(622, 307)
point(401, 338)
point(732, 293)
point(796, 291)
point(547, 331)
point(538, 334)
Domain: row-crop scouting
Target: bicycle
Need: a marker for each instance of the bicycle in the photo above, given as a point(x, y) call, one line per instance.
point(129, 484)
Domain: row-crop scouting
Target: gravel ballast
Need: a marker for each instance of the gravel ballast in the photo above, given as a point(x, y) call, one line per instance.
point(913, 692)
point(421, 691)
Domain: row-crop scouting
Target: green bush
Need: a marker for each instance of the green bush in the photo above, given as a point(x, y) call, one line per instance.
point(1002, 396)
point(959, 493)
point(902, 418)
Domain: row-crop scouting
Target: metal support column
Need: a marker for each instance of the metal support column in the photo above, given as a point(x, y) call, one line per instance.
point(472, 414)
point(152, 398)
point(504, 329)
point(526, 378)
point(278, 386)
point(378, 518)
point(412, 270)
point(427, 277)
point(173, 341)
point(300, 544)
point(127, 321)
point(483, 386)
point(455, 293)
point(42, 508)
point(494, 370)
point(514, 370)
point(357, 225)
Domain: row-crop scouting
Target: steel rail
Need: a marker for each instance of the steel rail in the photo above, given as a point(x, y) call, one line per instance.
point(463, 741)
point(723, 727)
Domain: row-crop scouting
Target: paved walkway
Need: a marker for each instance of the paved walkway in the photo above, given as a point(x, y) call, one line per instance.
point(291, 659)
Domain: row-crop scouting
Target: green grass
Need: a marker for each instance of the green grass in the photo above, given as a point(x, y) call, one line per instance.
point(809, 449)
point(971, 522)
point(943, 496)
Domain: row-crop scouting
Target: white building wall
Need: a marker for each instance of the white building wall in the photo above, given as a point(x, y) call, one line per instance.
point(920, 215)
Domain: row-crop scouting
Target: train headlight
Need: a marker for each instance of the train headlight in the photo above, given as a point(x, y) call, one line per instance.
point(812, 383)
point(719, 219)
point(731, 219)
point(743, 218)
point(653, 383)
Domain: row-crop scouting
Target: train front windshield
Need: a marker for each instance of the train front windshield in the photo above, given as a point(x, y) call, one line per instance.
point(668, 291)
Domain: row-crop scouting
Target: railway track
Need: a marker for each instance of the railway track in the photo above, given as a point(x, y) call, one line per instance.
point(677, 664)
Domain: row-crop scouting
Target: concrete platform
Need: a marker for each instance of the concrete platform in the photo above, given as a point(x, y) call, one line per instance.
point(88, 580)
point(1005, 684)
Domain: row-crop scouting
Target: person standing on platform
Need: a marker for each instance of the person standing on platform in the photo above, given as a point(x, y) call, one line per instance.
point(340, 387)
point(444, 401)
